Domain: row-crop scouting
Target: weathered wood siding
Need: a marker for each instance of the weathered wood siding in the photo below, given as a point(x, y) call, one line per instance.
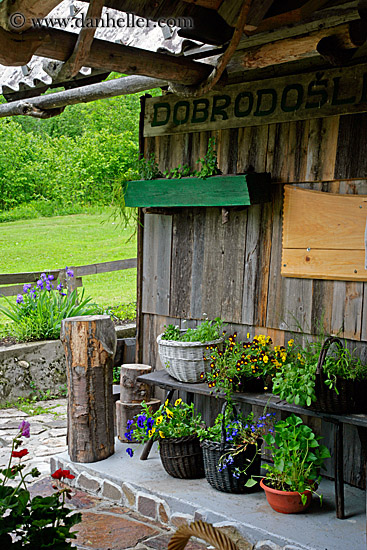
point(194, 264)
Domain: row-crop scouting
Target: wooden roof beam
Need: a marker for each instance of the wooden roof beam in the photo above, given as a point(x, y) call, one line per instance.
point(27, 9)
point(258, 10)
point(288, 50)
point(290, 17)
point(17, 50)
point(84, 42)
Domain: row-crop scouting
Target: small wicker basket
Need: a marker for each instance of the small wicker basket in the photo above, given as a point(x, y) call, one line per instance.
point(182, 457)
point(224, 480)
point(184, 361)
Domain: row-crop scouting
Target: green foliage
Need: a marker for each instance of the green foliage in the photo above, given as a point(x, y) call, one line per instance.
point(182, 171)
point(125, 312)
point(38, 522)
point(297, 457)
point(207, 331)
point(295, 383)
point(169, 421)
point(37, 314)
point(209, 163)
point(148, 168)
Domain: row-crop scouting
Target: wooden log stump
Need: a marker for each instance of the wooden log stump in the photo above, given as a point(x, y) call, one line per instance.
point(127, 411)
point(131, 390)
point(90, 345)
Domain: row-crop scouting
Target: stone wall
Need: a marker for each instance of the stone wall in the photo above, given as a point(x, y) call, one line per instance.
point(37, 365)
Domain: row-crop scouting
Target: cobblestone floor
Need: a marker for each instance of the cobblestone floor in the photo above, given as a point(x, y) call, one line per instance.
point(105, 526)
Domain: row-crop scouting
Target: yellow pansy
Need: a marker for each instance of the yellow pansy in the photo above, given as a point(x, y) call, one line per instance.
point(166, 402)
point(177, 402)
point(290, 343)
point(151, 432)
point(159, 420)
point(248, 335)
point(161, 434)
point(169, 413)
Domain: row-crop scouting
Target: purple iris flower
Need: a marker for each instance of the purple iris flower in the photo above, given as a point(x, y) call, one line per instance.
point(130, 452)
point(49, 286)
point(43, 276)
point(24, 427)
point(27, 287)
point(50, 277)
point(19, 299)
point(69, 272)
point(40, 284)
point(59, 286)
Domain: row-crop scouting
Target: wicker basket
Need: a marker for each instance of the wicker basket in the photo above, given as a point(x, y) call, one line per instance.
point(224, 480)
point(182, 457)
point(185, 360)
point(327, 400)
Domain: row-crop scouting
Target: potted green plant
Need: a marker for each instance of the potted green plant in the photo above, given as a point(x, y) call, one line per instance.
point(297, 458)
point(231, 449)
point(329, 382)
point(182, 352)
point(245, 366)
point(175, 427)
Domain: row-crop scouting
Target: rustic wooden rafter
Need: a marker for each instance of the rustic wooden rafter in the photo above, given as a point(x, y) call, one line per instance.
point(27, 8)
point(84, 42)
point(17, 50)
point(257, 12)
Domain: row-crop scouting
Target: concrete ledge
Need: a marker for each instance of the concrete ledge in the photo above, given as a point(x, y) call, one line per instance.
point(148, 489)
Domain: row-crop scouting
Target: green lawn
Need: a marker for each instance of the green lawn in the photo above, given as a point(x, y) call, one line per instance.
point(80, 239)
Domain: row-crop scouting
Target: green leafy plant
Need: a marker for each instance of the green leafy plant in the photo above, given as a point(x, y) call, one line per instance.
point(38, 522)
point(148, 168)
point(297, 456)
point(38, 312)
point(296, 382)
point(169, 421)
point(182, 171)
point(209, 163)
point(207, 331)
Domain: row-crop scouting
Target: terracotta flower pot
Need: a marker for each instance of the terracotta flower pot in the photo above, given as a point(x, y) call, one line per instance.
point(286, 502)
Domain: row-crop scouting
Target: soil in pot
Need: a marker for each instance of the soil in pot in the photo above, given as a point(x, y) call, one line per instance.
point(182, 457)
point(286, 502)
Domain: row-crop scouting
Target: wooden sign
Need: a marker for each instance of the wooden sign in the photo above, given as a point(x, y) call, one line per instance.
point(296, 97)
point(324, 235)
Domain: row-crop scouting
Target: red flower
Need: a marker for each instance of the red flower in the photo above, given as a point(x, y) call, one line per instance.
point(19, 454)
point(60, 474)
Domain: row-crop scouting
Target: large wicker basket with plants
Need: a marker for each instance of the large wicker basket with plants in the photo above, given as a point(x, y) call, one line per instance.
point(185, 353)
point(175, 428)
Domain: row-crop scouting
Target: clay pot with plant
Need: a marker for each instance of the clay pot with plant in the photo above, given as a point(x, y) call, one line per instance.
point(294, 476)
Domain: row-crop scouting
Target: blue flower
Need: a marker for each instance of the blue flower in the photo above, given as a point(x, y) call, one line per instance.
point(43, 277)
point(129, 423)
point(19, 299)
point(141, 419)
point(59, 287)
point(69, 272)
point(50, 277)
point(150, 423)
point(27, 287)
point(129, 435)
point(236, 473)
point(130, 452)
point(49, 286)
point(40, 284)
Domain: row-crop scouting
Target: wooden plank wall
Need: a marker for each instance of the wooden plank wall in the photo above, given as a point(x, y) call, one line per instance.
point(194, 264)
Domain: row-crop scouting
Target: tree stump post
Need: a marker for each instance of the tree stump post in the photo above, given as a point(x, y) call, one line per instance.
point(132, 393)
point(90, 346)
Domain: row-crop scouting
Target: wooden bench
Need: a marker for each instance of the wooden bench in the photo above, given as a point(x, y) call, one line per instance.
point(162, 379)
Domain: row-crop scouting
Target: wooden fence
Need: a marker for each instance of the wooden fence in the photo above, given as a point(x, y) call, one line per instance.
point(17, 280)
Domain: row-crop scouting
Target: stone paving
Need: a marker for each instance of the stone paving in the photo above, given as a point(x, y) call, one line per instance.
point(105, 526)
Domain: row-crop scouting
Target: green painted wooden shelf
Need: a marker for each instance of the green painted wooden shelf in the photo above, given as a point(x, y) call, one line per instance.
point(229, 190)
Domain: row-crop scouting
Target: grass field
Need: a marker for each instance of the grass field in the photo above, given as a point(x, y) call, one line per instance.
point(80, 239)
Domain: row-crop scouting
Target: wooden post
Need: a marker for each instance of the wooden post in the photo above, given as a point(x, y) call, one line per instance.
point(90, 346)
point(132, 391)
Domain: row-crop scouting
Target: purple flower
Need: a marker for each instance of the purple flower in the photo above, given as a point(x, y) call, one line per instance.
point(141, 420)
point(50, 277)
point(63, 293)
point(27, 287)
point(130, 452)
point(43, 277)
point(19, 299)
point(69, 272)
point(59, 287)
point(24, 428)
point(40, 284)
point(49, 286)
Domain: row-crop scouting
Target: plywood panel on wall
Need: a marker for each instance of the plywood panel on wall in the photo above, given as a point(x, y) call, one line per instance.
point(324, 235)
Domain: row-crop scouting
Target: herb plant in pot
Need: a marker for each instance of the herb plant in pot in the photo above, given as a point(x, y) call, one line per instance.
point(325, 377)
point(182, 352)
point(297, 458)
point(175, 427)
point(231, 449)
